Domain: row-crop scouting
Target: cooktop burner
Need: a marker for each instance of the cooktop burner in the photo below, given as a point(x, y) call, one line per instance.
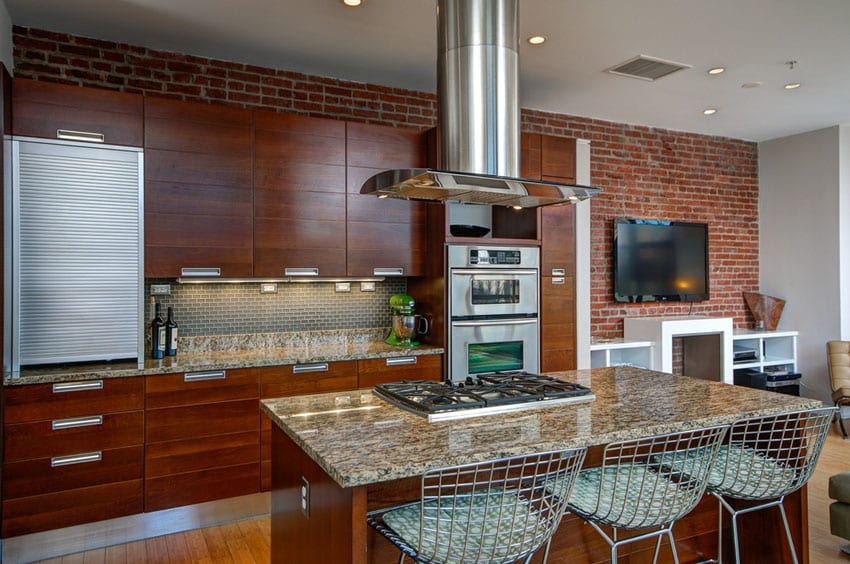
point(485, 394)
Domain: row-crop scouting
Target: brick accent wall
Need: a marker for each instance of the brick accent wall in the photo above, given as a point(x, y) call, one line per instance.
point(645, 172)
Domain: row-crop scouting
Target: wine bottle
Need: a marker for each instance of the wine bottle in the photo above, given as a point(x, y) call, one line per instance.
point(170, 334)
point(157, 335)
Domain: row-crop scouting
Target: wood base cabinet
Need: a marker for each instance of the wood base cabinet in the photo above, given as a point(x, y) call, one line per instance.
point(73, 453)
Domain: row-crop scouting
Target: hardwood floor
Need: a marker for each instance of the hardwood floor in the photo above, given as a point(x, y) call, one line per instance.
point(248, 540)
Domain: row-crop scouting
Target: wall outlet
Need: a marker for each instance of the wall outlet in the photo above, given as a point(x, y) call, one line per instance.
point(160, 289)
point(268, 288)
point(305, 497)
point(367, 286)
point(343, 286)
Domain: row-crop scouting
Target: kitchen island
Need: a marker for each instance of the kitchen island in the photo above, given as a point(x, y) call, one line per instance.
point(352, 452)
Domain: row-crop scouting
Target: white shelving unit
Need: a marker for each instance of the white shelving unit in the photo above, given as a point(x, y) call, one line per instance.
point(773, 350)
point(619, 352)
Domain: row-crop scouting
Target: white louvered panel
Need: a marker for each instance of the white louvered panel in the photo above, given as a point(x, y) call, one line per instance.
point(79, 253)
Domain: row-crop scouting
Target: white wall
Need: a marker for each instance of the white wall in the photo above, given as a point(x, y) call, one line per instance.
point(6, 56)
point(802, 199)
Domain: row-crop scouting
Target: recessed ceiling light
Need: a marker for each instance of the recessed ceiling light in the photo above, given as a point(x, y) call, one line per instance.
point(709, 111)
point(536, 40)
point(792, 85)
point(754, 84)
point(352, 2)
point(716, 70)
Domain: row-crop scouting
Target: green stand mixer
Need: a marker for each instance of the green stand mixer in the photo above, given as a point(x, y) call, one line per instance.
point(405, 324)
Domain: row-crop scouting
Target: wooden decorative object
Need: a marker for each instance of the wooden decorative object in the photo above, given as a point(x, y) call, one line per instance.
point(766, 309)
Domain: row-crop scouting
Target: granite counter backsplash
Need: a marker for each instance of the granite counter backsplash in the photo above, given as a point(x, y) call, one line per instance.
point(238, 351)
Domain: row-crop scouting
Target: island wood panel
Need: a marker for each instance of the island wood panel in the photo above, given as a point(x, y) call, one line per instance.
point(198, 161)
point(299, 194)
point(39, 109)
point(71, 507)
point(371, 149)
point(37, 402)
point(376, 371)
point(280, 381)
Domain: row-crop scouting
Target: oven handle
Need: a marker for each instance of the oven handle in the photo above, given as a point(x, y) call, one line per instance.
point(492, 322)
point(491, 271)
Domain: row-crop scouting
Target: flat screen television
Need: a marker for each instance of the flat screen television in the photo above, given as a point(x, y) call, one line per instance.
point(660, 261)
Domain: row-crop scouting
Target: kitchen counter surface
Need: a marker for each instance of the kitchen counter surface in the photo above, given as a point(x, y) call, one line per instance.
point(225, 353)
point(359, 439)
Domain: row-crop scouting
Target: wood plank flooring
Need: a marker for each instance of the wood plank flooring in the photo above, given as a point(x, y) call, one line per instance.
point(248, 541)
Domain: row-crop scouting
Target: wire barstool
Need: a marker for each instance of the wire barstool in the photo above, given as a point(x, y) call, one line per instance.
point(498, 511)
point(632, 490)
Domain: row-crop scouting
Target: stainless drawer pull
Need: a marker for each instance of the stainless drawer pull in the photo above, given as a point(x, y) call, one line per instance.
point(76, 459)
point(77, 386)
point(73, 423)
point(388, 271)
point(80, 135)
point(300, 271)
point(401, 361)
point(494, 322)
point(201, 376)
point(559, 280)
point(200, 271)
point(484, 272)
point(559, 272)
point(315, 367)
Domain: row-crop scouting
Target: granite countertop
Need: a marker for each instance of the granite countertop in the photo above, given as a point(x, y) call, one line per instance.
point(359, 439)
point(237, 351)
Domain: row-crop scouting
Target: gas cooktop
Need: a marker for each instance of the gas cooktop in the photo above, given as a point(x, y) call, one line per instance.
point(483, 395)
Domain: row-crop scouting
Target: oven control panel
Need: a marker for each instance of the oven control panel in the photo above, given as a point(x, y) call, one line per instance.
point(511, 257)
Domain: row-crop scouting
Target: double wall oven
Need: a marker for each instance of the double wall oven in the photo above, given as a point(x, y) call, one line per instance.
point(493, 310)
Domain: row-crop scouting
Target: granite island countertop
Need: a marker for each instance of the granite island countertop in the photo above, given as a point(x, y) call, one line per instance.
point(359, 439)
point(239, 351)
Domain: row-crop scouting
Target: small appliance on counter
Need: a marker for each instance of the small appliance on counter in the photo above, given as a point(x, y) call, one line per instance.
point(406, 325)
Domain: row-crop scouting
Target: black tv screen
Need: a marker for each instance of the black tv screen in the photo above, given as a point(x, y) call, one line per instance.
point(660, 261)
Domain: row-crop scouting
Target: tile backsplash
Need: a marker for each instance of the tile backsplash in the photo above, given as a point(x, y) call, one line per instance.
point(227, 309)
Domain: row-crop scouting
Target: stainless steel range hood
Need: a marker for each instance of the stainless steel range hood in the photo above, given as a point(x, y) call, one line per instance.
point(478, 100)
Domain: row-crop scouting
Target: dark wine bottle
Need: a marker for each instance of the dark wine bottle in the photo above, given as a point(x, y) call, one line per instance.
point(170, 334)
point(157, 335)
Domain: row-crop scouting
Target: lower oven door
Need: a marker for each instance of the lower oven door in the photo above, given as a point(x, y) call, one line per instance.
point(492, 345)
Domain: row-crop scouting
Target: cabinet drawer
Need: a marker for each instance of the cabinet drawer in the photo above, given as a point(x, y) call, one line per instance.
point(43, 439)
point(382, 370)
point(193, 388)
point(192, 455)
point(194, 421)
point(79, 470)
point(206, 485)
point(73, 399)
point(71, 507)
point(313, 378)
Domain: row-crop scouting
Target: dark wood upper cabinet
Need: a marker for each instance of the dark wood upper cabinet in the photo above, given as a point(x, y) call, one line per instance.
point(299, 194)
point(198, 188)
point(43, 109)
point(557, 158)
point(383, 233)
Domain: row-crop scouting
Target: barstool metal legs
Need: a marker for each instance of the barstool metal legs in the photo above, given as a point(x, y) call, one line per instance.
point(733, 513)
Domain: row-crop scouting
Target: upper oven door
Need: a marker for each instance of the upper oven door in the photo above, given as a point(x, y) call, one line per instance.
point(493, 292)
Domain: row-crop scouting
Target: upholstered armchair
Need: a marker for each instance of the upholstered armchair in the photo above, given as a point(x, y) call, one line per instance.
point(838, 360)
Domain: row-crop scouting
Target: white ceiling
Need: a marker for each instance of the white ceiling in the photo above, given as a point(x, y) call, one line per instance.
point(393, 43)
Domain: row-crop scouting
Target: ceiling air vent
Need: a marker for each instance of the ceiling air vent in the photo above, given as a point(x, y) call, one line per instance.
point(647, 68)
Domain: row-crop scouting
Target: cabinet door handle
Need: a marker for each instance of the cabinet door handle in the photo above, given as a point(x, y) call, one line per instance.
point(201, 376)
point(401, 360)
point(559, 280)
point(73, 423)
point(388, 271)
point(300, 271)
point(211, 271)
point(315, 367)
point(559, 272)
point(80, 135)
point(77, 386)
point(76, 459)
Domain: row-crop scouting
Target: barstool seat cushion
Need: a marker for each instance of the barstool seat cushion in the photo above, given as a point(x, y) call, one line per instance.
point(839, 487)
point(839, 519)
point(452, 523)
point(595, 494)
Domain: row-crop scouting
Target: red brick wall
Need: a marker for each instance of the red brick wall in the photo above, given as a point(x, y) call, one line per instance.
point(644, 172)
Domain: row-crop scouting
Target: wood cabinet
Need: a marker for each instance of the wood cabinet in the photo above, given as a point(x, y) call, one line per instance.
point(73, 453)
point(51, 111)
point(198, 188)
point(382, 370)
point(386, 233)
point(295, 380)
point(201, 437)
point(299, 194)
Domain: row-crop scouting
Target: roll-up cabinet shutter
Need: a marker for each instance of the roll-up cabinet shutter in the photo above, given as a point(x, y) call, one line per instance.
point(77, 253)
